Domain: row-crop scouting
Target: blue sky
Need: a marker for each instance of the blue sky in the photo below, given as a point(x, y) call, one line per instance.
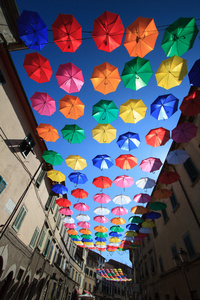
point(86, 58)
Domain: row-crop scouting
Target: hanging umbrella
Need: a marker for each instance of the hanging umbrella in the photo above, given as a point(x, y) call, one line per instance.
point(66, 211)
point(139, 210)
point(101, 198)
point(118, 221)
point(157, 206)
point(71, 231)
point(184, 132)
point(115, 234)
point(128, 141)
point(152, 215)
point(145, 230)
point(145, 183)
point(100, 229)
point(101, 211)
point(179, 37)
point(73, 134)
point(59, 188)
point(81, 206)
point(52, 157)
point(37, 67)
point(100, 239)
point(103, 162)
point(131, 233)
point(100, 243)
point(104, 133)
point(121, 199)
point(129, 238)
point(85, 231)
point(177, 156)
point(116, 229)
point(164, 107)
point(124, 181)
point(141, 37)
point(105, 111)
point(32, 30)
point(101, 219)
point(136, 73)
point(157, 137)
point(63, 202)
point(126, 161)
point(194, 74)
point(133, 226)
point(56, 175)
point(70, 226)
point(190, 105)
point(47, 132)
point(68, 219)
point(67, 33)
point(78, 178)
point(86, 236)
point(83, 224)
point(171, 72)
point(108, 31)
point(87, 240)
point(105, 78)
point(102, 182)
point(70, 78)
point(79, 193)
point(142, 198)
point(71, 107)
point(101, 234)
point(132, 111)
point(162, 194)
point(150, 164)
point(169, 177)
point(119, 210)
point(43, 104)
point(76, 162)
point(136, 219)
point(114, 240)
point(82, 217)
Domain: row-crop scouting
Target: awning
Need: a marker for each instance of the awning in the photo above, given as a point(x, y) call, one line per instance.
point(77, 291)
point(87, 292)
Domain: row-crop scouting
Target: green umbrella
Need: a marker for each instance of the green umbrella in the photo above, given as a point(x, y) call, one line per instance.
point(86, 236)
point(105, 111)
point(52, 157)
point(101, 234)
point(157, 206)
point(73, 134)
point(179, 37)
point(135, 219)
point(74, 236)
point(116, 229)
point(136, 73)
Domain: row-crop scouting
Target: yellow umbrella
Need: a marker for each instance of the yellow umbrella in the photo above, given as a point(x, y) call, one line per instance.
point(104, 133)
point(171, 72)
point(78, 242)
point(132, 111)
point(148, 224)
point(100, 243)
point(131, 233)
point(76, 162)
point(89, 243)
point(114, 240)
point(56, 176)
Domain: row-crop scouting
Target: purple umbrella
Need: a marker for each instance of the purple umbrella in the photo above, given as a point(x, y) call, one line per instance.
point(184, 132)
point(142, 198)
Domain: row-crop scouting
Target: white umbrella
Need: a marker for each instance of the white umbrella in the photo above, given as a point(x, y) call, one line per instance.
point(82, 217)
point(101, 211)
point(68, 220)
point(121, 199)
point(145, 183)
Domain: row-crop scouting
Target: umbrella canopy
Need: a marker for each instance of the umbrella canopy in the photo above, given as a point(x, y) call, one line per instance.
point(152, 215)
point(104, 133)
point(132, 226)
point(43, 104)
point(66, 211)
point(82, 217)
point(59, 189)
point(67, 33)
point(114, 240)
point(177, 156)
point(70, 220)
point(100, 239)
point(145, 183)
point(157, 137)
point(70, 226)
point(101, 219)
point(194, 74)
point(164, 107)
point(162, 194)
point(115, 234)
point(116, 229)
point(190, 105)
point(128, 141)
point(169, 177)
point(85, 231)
point(136, 73)
point(47, 132)
point(102, 182)
point(63, 202)
point(100, 229)
point(108, 31)
point(124, 181)
point(135, 219)
point(171, 72)
point(101, 211)
point(52, 157)
point(105, 78)
point(105, 111)
point(141, 37)
point(126, 161)
point(72, 231)
point(179, 37)
point(73, 134)
point(86, 236)
point(79, 193)
point(150, 164)
point(121, 199)
point(142, 198)
point(119, 210)
point(139, 210)
point(157, 206)
point(76, 162)
point(132, 111)
point(71, 107)
point(184, 132)
point(78, 178)
point(118, 221)
point(101, 198)
point(32, 30)
point(70, 78)
point(37, 67)
point(55, 175)
point(145, 230)
point(103, 162)
point(83, 224)
point(101, 234)
point(131, 233)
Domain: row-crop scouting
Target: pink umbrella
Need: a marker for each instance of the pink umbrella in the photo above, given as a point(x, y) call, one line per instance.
point(43, 104)
point(70, 78)
point(101, 219)
point(124, 181)
point(81, 206)
point(101, 198)
point(150, 164)
point(84, 224)
point(70, 225)
point(66, 211)
point(119, 210)
point(184, 132)
point(142, 198)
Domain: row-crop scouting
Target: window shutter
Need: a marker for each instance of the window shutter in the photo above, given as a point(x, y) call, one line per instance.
point(42, 238)
point(20, 217)
point(3, 184)
point(41, 176)
point(49, 201)
point(34, 238)
point(191, 169)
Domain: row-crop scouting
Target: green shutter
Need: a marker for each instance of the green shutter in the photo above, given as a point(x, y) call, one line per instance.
point(34, 238)
point(2, 184)
point(20, 217)
point(41, 176)
point(56, 213)
point(42, 238)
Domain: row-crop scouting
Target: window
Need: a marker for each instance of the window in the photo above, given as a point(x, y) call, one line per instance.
point(20, 274)
point(86, 271)
point(94, 275)
point(54, 257)
point(56, 213)
point(191, 169)
point(53, 204)
point(165, 216)
point(152, 265)
point(41, 176)
point(174, 250)
point(72, 273)
point(173, 200)
point(27, 145)
point(91, 273)
point(89, 286)
point(47, 245)
point(3, 184)
point(2, 79)
point(59, 220)
point(19, 219)
point(161, 264)
point(49, 201)
point(75, 277)
point(155, 232)
point(189, 246)
point(85, 285)
point(51, 251)
point(42, 238)
point(34, 238)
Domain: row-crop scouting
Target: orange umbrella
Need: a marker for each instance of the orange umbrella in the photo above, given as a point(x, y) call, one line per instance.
point(100, 229)
point(105, 78)
point(47, 132)
point(139, 210)
point(118, 221)
point(141, 37)
point(72, 231)
point(85, 231)
point(126, 161)
point(162, 194)
point(71, 107)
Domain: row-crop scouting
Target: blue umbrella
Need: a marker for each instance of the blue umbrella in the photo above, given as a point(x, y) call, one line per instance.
point(100, 239)
point(59, 189)
point(103, 161)
point(115, 234)
point(133, 226)
point(128, 141)
point(164, 107)
point(32, 30)
point(78, 178)
point(177, 156)
point(152, 215)
point(194, 74)
point(87, 240)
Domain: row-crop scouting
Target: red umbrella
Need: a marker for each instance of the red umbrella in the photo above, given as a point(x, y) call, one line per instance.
point(66, 211)
point(84, 224)
point(102, 182)
point(184, 132)
point(150, 164)
point(81, 206)
point(108, 31)
point(79, 193)
point(37, 67)
point(169, 177)
point(190, 105)
point(126, 161)
point(157, 137)
point(119, 210)
point(63, 202)
point(43, 103)
point(67, 33)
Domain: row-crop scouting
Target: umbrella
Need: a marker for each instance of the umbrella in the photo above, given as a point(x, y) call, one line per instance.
point(136, 73)
point(141, 37)
point(108, 31)
point(129, 238)
point(105, 78)
point(194, 74)
point(82, 217)
point(85, 231)
point(104, 133)
point(177, 156)
point(179, 37)
point(119, 210)
point(124, 181)
point(56, 175)
point(78, 178)
point(100, 239)
point(103, 162)
point(115, 234)
point(76, 162)
point(87, 240)
point(157, 206)
point(128, 141)
point(68, 219)
point(81, 206)
point(114, 240)
point(83, 224)
point(71, 231)
point(190, 105)
point(184, 132)
point(150, 164)
point(79, 193)
point(164, 107)
point(100, 243)
point(101, 198)
point(67, 33)
point(152, 215)
point(70, 226)
point(51, 157)
point(101, 219)
point(118, 221)
point(126, 161)
point(101, 234)
point(162, 194)
point(145, 183)
point(71, 107)
point(169, 177)
point(32, 30)
point(135, 219)
point(86, 236)
point(43, 104)
point(105, 111)
point(59, 189)
point(100, 229)
point(145, 230)
point(131, 233)
point(139, 210)
point(101, 211)
point(47, 132)
point(70, 78)
point(63, 202)
point(102, 182)
point(116, 229)
point(157, 137)
point(142, 198)
point(133, 226)
point(121, 199)
point(37, 67)
point(66, 211)
point(73, 134)
point(132, 111)
point(171, 72)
